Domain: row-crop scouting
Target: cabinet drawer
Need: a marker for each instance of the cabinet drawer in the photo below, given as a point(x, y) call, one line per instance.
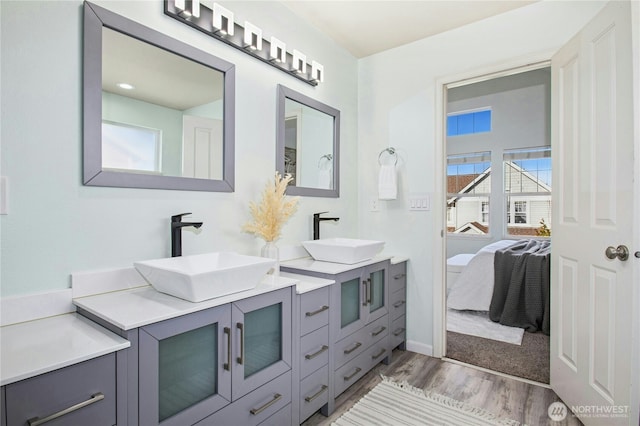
point(398, 302)
point(359, 366)
point(398, 331)
point(314, 310)
point(281, 418)
point(314, 392)
point(351, 346)
point(398, 276)
point(92, 382)
point(349, 373)
point(256, 406)
point(314, 351)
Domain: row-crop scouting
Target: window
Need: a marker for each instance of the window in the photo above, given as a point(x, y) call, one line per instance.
point(468, 190)
point(469, 123)
point(527, 189)
point(131, 148)
point(484, 211)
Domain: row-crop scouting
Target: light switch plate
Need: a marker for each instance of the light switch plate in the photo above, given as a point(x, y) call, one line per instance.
point(419, 202)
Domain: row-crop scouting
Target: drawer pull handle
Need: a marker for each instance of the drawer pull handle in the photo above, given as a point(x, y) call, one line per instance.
point(399, 303)
point(375, 333)
point(356, 346)
point(351, 376)
point(315, 354)
point(36, 421)
point(240, 359)
point(324, 308)
point(227, 365)
point(379, 354)
point(255, 411)
point(399, 276)
point(399, 331)
point(317, 394)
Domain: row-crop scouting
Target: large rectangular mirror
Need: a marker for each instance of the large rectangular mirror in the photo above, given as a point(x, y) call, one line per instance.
point(308, 144)
point(158, 113)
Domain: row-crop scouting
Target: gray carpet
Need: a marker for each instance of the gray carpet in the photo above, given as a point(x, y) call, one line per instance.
point(530, 360)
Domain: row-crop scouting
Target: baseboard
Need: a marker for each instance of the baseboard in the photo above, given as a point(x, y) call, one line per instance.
point(420, 348)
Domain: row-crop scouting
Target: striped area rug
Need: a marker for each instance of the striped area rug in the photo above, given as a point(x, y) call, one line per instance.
point(391, 404)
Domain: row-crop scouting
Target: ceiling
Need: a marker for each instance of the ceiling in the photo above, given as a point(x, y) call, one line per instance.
point(365, 27)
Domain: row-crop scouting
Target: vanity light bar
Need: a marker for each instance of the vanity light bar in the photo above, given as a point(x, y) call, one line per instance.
point(223, 20)
point(219, 23)
point(252, 36)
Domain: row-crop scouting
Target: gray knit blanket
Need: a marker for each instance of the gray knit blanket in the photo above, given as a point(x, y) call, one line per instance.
point(521, 286)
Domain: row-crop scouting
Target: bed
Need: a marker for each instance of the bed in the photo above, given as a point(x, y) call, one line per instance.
point(510, 280)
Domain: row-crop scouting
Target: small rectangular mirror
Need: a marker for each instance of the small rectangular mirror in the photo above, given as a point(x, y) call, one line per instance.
point(158, 113)
point(308, 144)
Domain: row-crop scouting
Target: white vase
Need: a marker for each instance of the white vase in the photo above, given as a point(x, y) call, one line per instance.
point(270, 250)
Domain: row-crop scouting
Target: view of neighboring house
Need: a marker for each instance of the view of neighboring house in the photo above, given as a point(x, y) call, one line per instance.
point(527, 203)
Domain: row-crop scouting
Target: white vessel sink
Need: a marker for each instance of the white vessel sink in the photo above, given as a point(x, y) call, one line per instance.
point(343, 250)
point(204, 276)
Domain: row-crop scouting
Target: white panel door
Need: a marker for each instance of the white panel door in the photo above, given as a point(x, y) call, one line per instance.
point(591, 295)
point(202, 152)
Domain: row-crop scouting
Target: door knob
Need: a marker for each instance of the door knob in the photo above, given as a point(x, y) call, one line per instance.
point(621, 252)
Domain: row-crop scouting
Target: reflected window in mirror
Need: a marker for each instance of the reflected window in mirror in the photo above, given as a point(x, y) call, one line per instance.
point(308, 144)
point(157, 113)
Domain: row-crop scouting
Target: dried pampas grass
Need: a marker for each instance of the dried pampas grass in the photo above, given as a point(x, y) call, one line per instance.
point(273, 211)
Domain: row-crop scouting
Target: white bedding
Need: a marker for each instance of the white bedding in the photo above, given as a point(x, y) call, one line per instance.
point(474, 287)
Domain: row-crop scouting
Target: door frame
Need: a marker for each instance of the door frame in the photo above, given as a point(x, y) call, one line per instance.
point(439, 248)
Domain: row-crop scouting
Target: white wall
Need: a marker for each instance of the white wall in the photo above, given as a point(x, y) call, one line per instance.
point(397, 93)
point(57, 226)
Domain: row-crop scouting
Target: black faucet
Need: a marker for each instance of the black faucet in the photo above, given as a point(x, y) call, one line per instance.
point(176, 232)
point(316, 223)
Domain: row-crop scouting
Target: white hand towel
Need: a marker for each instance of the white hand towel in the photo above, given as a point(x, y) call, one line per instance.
point(387, 182)
point(324, 179)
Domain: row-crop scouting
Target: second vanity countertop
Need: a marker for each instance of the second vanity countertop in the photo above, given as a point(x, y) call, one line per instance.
point(312, 265)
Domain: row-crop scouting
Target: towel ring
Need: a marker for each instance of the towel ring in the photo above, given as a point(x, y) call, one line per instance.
point(327, 157)
point(390, 151)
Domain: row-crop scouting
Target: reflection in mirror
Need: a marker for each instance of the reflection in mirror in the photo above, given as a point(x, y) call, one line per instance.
point(308, 144)
point(158, 113)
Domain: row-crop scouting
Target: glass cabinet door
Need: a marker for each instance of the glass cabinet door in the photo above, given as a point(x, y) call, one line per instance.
point(376, 289)
point(262, 340)
point(184, 368)
point(350, 302)
point(377, 292)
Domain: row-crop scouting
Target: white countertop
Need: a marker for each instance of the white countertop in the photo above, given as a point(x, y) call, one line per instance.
point(306, 283)
point(43, 345)
point(331, 268)
point(129, 309)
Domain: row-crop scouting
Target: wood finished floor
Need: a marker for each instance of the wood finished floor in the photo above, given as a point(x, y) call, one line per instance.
point(500, 395)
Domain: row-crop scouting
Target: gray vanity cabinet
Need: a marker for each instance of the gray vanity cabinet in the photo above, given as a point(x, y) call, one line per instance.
point(81, 394)
point(398, 304)
point(224, 365)
point(358, 333)
point(313, 348)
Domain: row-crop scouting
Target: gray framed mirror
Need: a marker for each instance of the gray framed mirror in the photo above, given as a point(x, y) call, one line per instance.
point(308, 144)
point(158, 113)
